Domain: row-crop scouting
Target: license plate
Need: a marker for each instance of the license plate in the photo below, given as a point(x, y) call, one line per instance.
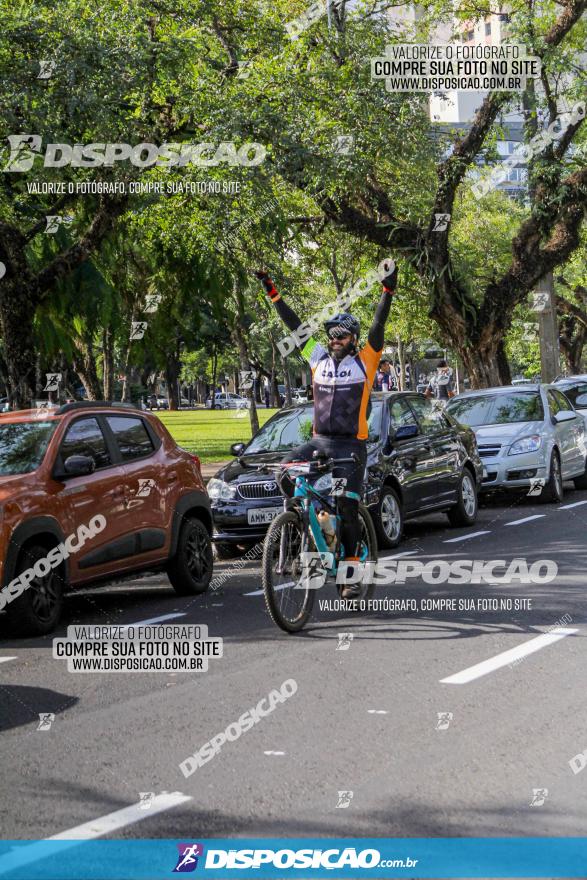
point(261, 515)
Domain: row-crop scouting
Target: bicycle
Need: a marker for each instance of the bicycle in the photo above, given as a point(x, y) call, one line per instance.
point(297, 531)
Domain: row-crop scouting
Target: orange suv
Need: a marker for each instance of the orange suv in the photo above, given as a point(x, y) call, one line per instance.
point(88, 491)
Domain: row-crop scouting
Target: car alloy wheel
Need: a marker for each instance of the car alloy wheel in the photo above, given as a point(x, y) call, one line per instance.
point(190, 569)
point(388, 518)
point(391, 518)
point(469, 495)
point(196, 552)
point(44, 596)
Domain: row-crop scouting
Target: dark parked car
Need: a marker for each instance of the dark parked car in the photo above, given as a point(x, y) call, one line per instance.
point(419, 460)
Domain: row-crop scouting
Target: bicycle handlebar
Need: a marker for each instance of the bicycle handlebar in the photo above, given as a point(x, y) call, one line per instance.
point(321, 463)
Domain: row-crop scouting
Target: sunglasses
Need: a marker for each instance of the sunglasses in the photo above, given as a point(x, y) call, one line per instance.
point(339, 333)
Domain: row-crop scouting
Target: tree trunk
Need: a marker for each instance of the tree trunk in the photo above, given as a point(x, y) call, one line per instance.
point(572, 341)
point(84, 363)
point(39, 384)
point(125, 397)
point(214, 377)
point(108, 362)
point(239, 337)
point(402, 364)
point(18, 304)
point(485, 368)
point(287, 381)
point(480, 346)
point(172, 370)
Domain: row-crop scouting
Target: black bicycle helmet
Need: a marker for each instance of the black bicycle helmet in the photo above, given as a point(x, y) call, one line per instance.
point(348, 323)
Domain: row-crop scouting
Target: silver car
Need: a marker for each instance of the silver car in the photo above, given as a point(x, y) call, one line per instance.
point(528, 437)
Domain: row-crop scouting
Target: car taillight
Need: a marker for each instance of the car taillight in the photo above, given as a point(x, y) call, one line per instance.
point(196, 459)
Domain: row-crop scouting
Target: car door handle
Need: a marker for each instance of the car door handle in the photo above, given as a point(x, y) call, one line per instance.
point(117, 495)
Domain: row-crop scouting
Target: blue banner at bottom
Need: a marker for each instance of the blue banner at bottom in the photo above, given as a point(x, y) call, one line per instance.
point(377, 857)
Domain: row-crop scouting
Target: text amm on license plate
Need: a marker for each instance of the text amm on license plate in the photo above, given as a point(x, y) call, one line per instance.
point(260, 515)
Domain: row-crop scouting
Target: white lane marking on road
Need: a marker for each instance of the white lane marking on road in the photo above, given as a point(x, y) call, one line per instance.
point(574, 504)
point(274, 753)
point(280, 587)
point(506, 657)
point(518, 522)
point(107, 824)
point(6, 659)
point(377, 712)
point(405, 553)
point(466, 537)
point(121, 818)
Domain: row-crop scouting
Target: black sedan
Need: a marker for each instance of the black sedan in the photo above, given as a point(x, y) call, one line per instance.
point(419, 460)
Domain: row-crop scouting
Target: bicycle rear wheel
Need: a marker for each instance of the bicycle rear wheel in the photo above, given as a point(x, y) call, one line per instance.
point(288, 604)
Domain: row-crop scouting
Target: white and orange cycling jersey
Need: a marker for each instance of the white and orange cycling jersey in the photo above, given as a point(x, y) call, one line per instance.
point(341, 390)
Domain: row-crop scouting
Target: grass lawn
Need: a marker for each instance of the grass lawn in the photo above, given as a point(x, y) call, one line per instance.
point(209, 433)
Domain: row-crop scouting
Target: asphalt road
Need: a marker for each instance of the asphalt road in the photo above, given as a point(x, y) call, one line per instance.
point(364, 719)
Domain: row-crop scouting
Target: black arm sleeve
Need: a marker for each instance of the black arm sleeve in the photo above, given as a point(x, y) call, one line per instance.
point(287, 315)
point(377, 331)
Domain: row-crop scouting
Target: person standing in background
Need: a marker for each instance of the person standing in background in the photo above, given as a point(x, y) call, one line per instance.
point(441, 386)
point(383, 379)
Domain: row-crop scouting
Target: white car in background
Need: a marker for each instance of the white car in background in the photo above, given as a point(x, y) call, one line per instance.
point(529, 437)
point(228, 400)
point(299, 395)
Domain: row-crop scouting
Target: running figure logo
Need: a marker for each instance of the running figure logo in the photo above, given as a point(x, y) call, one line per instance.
point(344, 641)
point(441, 222)
point(444, 719)
point(46, 719)
point(314, 570)
point(188, 857)
point(539, 795)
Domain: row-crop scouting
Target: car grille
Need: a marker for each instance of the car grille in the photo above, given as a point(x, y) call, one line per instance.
point(266, 489)
point(488, 450)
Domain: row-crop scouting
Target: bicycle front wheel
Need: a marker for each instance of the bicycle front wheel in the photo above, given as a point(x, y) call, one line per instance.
point(289, 603)
point(368, 547)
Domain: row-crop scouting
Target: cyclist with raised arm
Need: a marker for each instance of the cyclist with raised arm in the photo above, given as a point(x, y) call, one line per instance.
point(342, 378)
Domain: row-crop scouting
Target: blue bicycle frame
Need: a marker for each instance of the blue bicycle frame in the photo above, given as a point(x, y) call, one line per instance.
point(306, 492)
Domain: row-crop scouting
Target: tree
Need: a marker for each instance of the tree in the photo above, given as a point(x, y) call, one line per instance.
point(320, 85)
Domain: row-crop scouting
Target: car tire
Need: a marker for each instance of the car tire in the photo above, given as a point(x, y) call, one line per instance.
point(464, 513)
point(190, 570)
point(37, 611)
point(388, 519)
point(553, 491)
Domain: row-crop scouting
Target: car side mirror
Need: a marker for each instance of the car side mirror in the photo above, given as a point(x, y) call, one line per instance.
point(238, 448)
point(565, 415)
point(78, 466)
point(404, 432)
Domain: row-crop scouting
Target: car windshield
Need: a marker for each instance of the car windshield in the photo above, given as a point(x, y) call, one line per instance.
point(289, 429)
point(23, 445)
point(577, 394)
point(497, 409)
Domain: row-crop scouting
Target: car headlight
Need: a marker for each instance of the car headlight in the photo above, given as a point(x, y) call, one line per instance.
point(526, 444)
point(218, 489)
point(323, 483)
